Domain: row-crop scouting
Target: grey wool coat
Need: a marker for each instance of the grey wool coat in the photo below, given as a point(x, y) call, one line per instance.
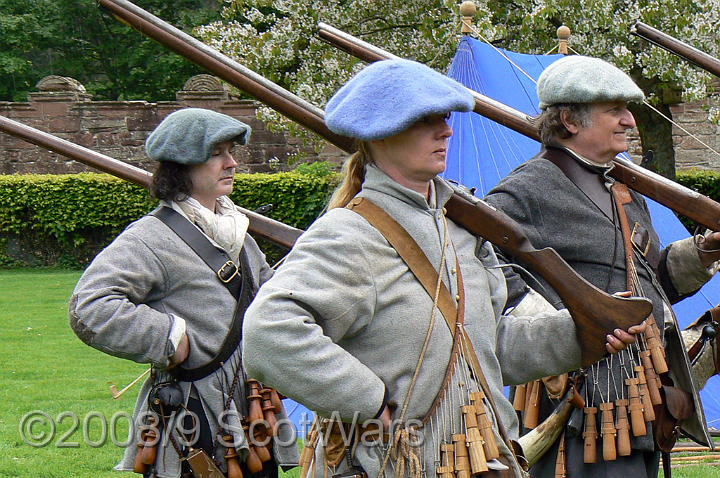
point(125, 304)
point(556, 213)
point(347, 320)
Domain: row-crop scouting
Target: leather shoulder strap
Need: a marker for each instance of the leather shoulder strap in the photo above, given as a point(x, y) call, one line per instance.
point(215, 258)
point(410, 252)
point(238, 281)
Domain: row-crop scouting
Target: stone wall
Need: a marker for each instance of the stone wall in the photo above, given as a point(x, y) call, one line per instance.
point(118, 129)
point(692, 120)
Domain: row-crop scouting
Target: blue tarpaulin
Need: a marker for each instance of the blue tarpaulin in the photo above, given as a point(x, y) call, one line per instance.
point(481, 152)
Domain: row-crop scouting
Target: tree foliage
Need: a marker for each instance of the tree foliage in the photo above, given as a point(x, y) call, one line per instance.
point(77, 39)
point(279, 40)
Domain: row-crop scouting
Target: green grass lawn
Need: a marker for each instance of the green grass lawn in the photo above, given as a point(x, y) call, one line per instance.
point(48, 372)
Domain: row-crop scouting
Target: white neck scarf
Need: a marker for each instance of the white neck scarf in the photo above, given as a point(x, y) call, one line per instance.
point(227, 226)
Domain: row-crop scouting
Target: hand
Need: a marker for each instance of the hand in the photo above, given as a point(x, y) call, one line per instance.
point(181, 353)
point(620, 339)
point(708, 248)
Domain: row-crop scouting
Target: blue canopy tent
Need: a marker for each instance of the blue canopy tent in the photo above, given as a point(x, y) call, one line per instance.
point(481, 152)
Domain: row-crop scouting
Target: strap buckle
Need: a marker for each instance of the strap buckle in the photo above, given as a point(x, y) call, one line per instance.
point(228, 268)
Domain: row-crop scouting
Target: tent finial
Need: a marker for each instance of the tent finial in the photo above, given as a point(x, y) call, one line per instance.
point(563, 33)
point(467, 10)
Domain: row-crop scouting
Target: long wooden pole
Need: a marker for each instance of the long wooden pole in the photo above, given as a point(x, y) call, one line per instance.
point(260, 225)
point(692, 204)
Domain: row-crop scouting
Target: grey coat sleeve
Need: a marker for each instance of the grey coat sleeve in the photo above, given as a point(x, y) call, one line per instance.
point(537, 345)
point(107, 310)
point(293, 332)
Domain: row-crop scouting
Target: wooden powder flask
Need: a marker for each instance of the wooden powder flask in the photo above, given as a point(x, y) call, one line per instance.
point(657, 352)
point(147, 446)
point(308, 453)
point(447, 454)
point(231, 457)
point(608, 432)
point(474, 440)
point(532, 411)
point(462, 461)
point(652, 378)
point(255, 444)
point(268, 409)
point(486, 428)
point(519, 399)
point(623, 427)
point(590, 435)
point(276, 400)
point(637, 417)
point(255, 411)
point(645, 394)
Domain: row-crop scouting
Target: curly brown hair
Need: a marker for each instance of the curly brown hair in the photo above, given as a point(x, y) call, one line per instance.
point(171, 182)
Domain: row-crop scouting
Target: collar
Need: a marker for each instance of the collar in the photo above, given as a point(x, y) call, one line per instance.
point(593, 166)
point(376, 180)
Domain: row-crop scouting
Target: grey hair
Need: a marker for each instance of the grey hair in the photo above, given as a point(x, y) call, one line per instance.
point(549, 122)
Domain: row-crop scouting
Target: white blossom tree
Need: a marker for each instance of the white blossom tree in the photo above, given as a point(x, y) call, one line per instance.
point(278, 39)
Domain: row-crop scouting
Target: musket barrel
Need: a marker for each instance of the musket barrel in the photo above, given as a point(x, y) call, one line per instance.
point(677, 47)
point(260, 225)
point(685, 201)
point(484, 105)
point(226, 68)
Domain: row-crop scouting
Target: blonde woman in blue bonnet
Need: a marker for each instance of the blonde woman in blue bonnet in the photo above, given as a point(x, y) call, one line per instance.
point(355, 333)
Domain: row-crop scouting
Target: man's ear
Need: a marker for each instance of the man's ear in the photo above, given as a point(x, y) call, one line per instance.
point(572, 127)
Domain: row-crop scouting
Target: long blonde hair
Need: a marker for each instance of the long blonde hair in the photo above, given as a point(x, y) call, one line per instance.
point(353, 172)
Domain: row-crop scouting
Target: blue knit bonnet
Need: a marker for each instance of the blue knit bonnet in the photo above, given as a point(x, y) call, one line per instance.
point(388, 96)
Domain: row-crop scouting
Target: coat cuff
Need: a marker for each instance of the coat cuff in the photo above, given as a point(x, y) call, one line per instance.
point(686, 271)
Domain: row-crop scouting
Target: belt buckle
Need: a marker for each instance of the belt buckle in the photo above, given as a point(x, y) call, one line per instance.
point(221, 272)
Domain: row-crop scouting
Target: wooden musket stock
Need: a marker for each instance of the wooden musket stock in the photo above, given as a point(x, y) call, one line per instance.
point(260, 225)
point(685, 201)
point(677, 47)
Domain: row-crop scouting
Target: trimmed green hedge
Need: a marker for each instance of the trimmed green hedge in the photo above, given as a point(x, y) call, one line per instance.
point(65, 220)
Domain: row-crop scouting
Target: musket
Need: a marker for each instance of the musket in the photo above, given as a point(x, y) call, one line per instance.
point(685, 201)
point(679, 48)
point(596, 311)
point(260, 225)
